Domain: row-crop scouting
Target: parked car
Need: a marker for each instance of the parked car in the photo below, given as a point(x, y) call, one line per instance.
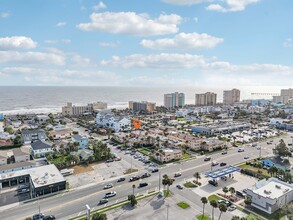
point(49, 217)
point(207, 159)
point(213, 182)
point(155, 170)
point(103, 201)
point(179, 187)
point(134, 178)
point(177, 174)
point(224, 152)
point(108, 186)
point(246, 157)
point(240, 194)
point(38, 216)
point(232, 208)
point(145, 175)
point(143, 184)
point(241, 149)
point(223, 164)
point(22, 186)
point(21, 191)
point(109, 160)
point(121, 179)
point(110, 194)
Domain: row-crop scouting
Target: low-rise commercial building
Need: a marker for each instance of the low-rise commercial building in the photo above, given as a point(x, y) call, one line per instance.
point(42, 180)
point(270, 195)
point(12, 167)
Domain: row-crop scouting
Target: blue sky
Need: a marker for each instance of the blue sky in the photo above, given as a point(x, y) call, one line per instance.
point(195, 43)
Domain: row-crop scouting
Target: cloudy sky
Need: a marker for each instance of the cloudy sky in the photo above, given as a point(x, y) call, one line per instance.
point(213, 43)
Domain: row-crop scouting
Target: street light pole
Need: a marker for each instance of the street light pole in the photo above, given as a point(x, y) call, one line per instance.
point(159, 181)
point(168, 211)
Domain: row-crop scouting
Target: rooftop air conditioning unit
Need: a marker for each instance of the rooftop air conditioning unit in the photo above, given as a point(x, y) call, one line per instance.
point(278, 186)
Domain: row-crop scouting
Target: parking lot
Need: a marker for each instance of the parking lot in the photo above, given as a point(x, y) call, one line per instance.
point(11, 195)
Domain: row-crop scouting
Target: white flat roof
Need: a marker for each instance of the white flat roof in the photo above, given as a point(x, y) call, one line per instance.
point(272, 189)
point(41, 176)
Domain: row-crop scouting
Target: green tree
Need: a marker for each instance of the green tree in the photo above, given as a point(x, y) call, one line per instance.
point(223, 208)
point(204, 201)
point(232, 190)
point(132, 200)
point(133, 187)
point(225, 190)
point(272, 170)
point(282, 150)
point(167, 181)
point(99, 216)
point(235, 217)
point(214, 205)
point(197, 176)
point(247, 201)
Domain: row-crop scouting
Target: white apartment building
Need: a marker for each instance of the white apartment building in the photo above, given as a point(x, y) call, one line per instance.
point(270, 195)
point(108, 120)
point(181, 113)
point(208, 98)
point(231, 96)
point(167, 155)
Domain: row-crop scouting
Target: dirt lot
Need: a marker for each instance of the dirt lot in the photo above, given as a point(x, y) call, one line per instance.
point(82, 169)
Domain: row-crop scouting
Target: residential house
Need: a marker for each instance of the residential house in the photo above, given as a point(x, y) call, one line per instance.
point(60, 134)
point(81, 140)
point(20, 156)
point(42, 118)
point(30, 136)
point(167, 155)
point(108, 120)
point(16, 124)
point(40, 148)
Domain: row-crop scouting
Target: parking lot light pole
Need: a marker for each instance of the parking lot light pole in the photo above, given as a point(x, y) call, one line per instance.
point(168, 211)
point(159, 180)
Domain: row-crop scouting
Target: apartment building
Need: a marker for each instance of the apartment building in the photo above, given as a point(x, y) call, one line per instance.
point(70, 109)
point(231, 96)
point(173, 100)
point(208, 98)
point(285, 97)
point(167, 155)
point(142, 106)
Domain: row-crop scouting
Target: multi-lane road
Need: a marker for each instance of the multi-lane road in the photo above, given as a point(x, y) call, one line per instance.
point(72, 203)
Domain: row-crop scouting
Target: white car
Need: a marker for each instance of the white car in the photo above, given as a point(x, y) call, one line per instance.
point(246, 157)
point(215, 163)
point(108, 186)
point(232, 208)
point(110, 194)
point(241, 149)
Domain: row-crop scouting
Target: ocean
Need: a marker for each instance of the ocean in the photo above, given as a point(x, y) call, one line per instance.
point(45, 99)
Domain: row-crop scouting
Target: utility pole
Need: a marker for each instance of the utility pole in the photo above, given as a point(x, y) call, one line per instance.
point(159, 180)
point(168, 211)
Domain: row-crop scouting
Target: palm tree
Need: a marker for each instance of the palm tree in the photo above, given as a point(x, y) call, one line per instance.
point(214, 204)
point(225, 190)
point(204, 201)
point(197, 176)
point(223, 208)
point(232, 190)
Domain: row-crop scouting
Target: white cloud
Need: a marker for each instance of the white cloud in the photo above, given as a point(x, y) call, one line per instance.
point(64, 41)
point(288, 43)
point(160, 61)
point(100, 5)
point(5, 14)
point(31, 58)
point(231, 5)
point(130, 23)
point(61, 24)
point(17, 42)
point(184, 2)
point(183, 41)
point(108, 44)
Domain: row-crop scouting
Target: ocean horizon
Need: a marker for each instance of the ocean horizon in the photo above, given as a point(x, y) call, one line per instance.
point(46, 99)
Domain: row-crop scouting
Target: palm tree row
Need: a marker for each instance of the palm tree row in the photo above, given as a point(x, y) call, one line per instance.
point(222, 207)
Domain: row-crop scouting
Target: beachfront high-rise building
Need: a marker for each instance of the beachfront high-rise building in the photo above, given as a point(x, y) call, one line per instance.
point(70, 109)
point(231, 96)
point(173, 100)
point(142, 106)
point(208, 98)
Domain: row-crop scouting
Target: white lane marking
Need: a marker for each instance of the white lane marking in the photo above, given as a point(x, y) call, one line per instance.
point(147, 191)
point(116, 201)
point(137, 194)
point(79, 214)
point(93, 209)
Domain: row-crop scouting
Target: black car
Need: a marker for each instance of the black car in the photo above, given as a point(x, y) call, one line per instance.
point(38, 216)
point(155, 170)
point(213, 182)
point(49, 217)
point(143, 184)
point(145, 175)
point(207, 159)
point(224, 152)
point(121, 179)
point(134, 178)
point(103, 201)
point(179, 187)
point(240, 194)
point(223, 164)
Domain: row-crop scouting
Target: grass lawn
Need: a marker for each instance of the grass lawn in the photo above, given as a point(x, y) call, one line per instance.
point(189, 185)
point(185, 156)
point(181, 119)
point(183, 205)
point(130, 171)
point(264, 172)
point(200, 217)
point(214, 197)
point(143, 151)
point(167, 194)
